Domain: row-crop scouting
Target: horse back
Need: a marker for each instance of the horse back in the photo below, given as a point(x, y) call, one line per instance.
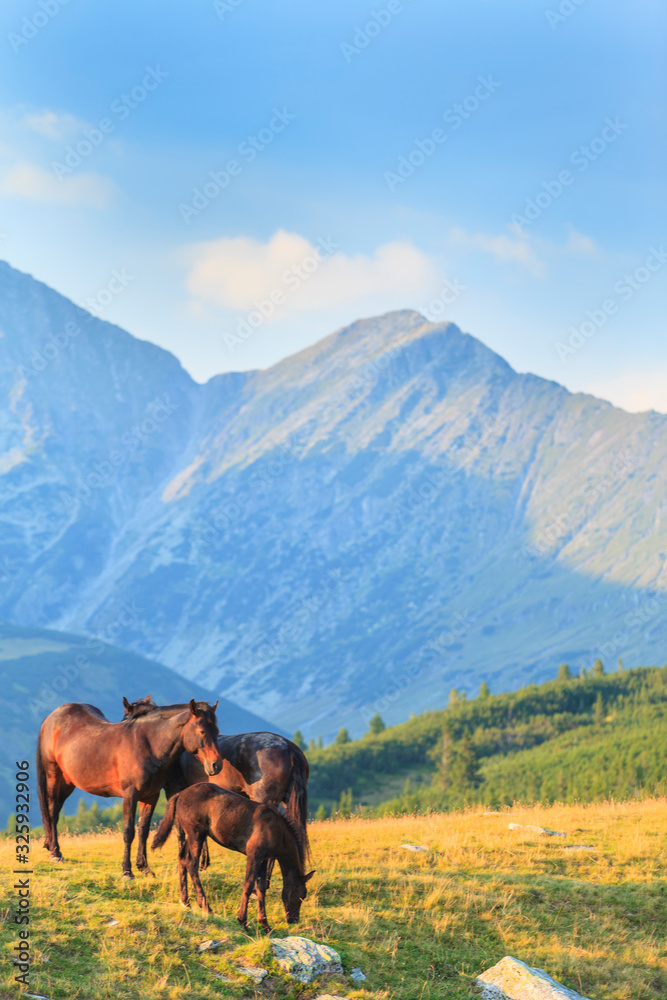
point(74, 716)
point(232, 820)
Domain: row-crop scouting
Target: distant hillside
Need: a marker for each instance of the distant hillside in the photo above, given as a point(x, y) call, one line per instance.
point(579, 739)
point(41, 669)
point(386, 515)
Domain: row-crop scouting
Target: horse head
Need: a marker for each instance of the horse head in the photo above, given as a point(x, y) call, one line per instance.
point(294, 893)
point(135, 709)
point(200, 736)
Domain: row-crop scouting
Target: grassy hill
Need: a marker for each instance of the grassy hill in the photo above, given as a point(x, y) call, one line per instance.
point(418, 925)
point(41, 669)
point(583, 738)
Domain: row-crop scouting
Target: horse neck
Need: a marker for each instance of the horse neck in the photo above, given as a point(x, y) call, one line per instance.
point(165, 735)
point(288, 855)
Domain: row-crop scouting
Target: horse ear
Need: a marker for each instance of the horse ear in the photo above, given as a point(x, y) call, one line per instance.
point(126, 704)
point(193, 707)
point(307, 877)
point(214, 707)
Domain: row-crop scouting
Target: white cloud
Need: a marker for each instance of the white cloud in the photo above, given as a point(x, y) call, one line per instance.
point(504, 248)
point(635, 391)
point(55, 125)
point(235, 272)
point(25, 180)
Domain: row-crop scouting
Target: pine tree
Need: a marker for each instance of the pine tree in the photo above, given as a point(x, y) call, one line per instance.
point(453, 697)
point(446, 754)
point(345, 804)
point(468, 766)
point(484, 691)
point(343, 737)
point(599, 709)
point(376, 725)
point(598, 668)
point(321, 813)
point(299, 740)
point(564, 673)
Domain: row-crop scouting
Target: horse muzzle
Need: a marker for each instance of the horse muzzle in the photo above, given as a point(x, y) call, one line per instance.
point(213, 767)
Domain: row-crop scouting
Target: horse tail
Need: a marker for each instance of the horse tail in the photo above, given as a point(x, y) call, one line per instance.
point(165, 827)
point(43, 794)
point(296, 803)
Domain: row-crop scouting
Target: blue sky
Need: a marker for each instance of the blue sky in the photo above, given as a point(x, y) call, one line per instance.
point(368, 155)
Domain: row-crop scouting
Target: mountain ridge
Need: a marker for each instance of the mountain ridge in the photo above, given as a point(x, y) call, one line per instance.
point(301, 537)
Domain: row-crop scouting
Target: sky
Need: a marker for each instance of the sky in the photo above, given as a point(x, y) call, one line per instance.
point(234, 180)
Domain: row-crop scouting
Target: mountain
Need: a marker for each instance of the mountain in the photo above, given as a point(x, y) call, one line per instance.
point(41, 669)
point(386, 515)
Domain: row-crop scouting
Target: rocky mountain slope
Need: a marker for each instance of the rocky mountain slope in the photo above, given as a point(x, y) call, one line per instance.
point(386, 515)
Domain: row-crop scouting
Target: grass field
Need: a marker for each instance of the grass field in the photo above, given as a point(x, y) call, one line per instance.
point(419, 925)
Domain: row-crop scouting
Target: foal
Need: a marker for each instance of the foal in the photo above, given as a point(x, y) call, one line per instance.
point(251, 828)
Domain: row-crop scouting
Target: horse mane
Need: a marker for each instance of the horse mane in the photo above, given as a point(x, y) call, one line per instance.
point(167, 711)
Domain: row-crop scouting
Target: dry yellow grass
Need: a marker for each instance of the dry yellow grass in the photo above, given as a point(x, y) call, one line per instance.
point(419, 925)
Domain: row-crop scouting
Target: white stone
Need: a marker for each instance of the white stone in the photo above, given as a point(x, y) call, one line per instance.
point(415, 847)
point(579, 847)
point(254, 972)
point(209, 945)
point(512, 979)
point(303, 959)
point(537, 829)
point(357, 975)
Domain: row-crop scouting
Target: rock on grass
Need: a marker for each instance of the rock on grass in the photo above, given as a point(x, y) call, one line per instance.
point(512, 979)
point(303, 959)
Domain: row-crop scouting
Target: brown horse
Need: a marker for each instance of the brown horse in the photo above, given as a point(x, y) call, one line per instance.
point(79, 748)
point(253, 829)
point(266, 767)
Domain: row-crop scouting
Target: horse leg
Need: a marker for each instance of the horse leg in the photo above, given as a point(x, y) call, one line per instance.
point(64, 792)
point(205, 856)
point(248, 886)
point(146, 810)
point(54, 781)
point(129, 810)
point(261, 885)
point(269, 871)
point(193, 868)
point(182, 868)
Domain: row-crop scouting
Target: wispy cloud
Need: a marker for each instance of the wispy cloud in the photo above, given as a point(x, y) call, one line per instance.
point(25, 180)
point(56, 125)
point(504, 248)
point(578, 243)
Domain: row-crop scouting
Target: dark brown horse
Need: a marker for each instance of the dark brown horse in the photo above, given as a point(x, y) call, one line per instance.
point(256, 830)
point(79, 748)
point(264, 766)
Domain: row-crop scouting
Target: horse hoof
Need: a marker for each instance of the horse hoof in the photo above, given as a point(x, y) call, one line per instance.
point(146, 871)
point(186, 906)
point(128, 875)
point(56, 860)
